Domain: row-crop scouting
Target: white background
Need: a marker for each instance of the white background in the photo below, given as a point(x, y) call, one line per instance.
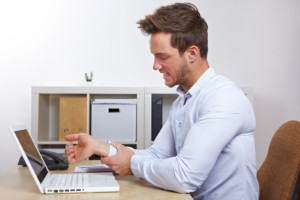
point(256, 43)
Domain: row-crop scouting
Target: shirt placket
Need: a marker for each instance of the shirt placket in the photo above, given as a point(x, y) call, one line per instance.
point(179, 127)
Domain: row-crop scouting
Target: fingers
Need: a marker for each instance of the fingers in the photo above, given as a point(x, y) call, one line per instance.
point(104, 160)
point(108, 160)
point(72, 137)
point(117, 145)
point(69, 151)
point(69, 148)
point(71, 158)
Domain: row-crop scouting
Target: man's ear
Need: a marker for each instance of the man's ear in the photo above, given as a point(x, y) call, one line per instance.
point(193, 53)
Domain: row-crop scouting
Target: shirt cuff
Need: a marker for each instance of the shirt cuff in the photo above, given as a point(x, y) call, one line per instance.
point(134, 165)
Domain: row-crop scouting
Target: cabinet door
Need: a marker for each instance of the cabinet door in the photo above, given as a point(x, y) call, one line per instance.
point(72, 116)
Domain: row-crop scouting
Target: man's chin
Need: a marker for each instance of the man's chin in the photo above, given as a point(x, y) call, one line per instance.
point(170, 85)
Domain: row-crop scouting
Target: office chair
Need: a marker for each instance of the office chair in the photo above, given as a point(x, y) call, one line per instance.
point(278, 176)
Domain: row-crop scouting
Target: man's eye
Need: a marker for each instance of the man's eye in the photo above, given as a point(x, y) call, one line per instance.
point(163, 58)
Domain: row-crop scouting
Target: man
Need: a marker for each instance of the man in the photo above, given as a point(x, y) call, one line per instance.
point(206, 147)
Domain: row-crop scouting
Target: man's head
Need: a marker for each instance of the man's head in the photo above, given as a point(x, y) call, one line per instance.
point(185, 24)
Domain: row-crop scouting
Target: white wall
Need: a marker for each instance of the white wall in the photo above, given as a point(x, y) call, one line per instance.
point(256, 43)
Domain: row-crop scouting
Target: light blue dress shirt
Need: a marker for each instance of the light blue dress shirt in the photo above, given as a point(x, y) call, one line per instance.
point(206, 147)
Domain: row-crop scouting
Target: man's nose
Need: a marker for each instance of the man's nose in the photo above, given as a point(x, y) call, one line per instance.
point(157, 66)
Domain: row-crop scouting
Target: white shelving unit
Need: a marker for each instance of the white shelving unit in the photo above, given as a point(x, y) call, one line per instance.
point(45, 111)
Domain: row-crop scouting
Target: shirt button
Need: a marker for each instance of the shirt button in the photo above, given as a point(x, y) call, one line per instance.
point(179, 124)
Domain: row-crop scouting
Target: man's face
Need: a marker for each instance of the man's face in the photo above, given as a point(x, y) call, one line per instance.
point(168, 61)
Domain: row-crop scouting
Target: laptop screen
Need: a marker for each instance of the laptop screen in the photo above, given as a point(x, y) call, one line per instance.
point(32, 154)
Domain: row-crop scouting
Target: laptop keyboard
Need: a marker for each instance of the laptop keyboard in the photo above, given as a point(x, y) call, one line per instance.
point(69, 181)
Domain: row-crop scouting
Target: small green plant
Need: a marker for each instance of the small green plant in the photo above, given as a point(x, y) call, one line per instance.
point(89, 78)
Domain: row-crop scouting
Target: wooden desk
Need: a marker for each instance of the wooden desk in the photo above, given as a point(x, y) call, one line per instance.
point(17, 183)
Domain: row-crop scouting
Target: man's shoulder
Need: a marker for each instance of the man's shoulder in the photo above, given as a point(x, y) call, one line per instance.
point(222, 92)
point(220, 86)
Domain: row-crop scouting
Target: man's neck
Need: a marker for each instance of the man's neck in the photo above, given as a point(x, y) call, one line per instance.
point(197, 70)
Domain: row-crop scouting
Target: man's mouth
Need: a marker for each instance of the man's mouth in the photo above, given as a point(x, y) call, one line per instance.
point(166, 75)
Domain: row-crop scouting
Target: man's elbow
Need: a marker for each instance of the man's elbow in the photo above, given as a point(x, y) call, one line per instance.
point(185, 187)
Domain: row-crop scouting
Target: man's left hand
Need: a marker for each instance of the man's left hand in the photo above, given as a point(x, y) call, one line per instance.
point(120, 162)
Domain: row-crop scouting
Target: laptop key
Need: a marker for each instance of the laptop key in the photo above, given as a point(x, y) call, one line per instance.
point(63, 180)
point(74, 181)
point(53, 181)
point(69, 180)
point(58, 181)
point(80, 180)
point(85, 180)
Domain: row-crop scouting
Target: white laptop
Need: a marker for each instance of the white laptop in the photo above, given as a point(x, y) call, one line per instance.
point(59, 183)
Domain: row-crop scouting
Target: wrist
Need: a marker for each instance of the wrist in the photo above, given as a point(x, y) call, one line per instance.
point(101, 148)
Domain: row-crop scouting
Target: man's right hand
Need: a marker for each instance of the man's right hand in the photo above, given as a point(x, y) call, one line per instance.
point(86, 147)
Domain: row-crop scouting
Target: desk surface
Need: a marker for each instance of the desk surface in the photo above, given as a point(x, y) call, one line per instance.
point(17, 183)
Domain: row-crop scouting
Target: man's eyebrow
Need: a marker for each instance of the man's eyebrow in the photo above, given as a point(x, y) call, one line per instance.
point(160, 53)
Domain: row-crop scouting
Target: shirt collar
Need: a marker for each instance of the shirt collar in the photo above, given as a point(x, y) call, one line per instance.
point(199, 85)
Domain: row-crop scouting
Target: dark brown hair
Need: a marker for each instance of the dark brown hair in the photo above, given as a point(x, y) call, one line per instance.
point(183, 21)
